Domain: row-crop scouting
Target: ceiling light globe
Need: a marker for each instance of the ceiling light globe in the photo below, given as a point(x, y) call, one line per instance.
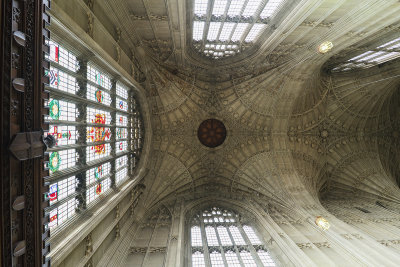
point(322, 223)
point(325, 47)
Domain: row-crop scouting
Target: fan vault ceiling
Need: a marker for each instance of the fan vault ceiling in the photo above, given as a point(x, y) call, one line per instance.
point(295, 130)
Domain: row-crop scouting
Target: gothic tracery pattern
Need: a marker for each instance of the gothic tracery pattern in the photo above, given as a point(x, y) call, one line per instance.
point(219, 239)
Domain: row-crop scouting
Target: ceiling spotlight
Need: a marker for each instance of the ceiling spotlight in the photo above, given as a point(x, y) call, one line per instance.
point(325, 47)
point(322, 223)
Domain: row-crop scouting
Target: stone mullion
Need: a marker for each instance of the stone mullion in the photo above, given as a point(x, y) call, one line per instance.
point(135, 133)
point(131, 120)
point(146, 256)
point(206, 253)
point(249, 245)
point(82, 131)
point(220, 245)
point(235, 248)
point(113, 132)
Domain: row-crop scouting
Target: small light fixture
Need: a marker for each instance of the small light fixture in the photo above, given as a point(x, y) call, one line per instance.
point(325, 47)
point(322, 223)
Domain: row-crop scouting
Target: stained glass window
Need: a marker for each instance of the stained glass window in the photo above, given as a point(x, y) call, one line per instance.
point(97, 173)
point(92, 145)
point(121, 104)
point(60, 160)
point(64, 134)
point(60, 56)
point(122, 120)
point(62, 213)
point(60, 110)
point(98, 95)
point(98, 116)
point(61, 190)
point(62, 81)
point(98, 77)
point(121, 146)
point(97, 152)
point(228, 243)
point(95, 191)
point(121, 162)
point(122, 133)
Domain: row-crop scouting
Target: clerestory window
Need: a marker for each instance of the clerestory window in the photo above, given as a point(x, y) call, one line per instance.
point(223, 28)
point(218, 239)
point(385, 52)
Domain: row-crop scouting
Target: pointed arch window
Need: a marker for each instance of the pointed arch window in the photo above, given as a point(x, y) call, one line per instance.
point(219, 239)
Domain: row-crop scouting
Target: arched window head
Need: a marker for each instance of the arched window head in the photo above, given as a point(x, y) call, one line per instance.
point(218, 239)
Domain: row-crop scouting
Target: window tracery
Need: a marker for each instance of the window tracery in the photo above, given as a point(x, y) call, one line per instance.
point(218, 238)
point(231, 25)
point(98, 132)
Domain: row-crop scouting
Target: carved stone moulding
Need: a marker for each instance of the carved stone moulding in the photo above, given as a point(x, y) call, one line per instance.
point(211, 133)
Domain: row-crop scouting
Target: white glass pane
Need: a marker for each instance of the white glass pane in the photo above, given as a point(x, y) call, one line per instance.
point(240, 29)
point(271, 8)
point(391, 45)
point(265, 258)
point(235, 7)
point(226, 31)
point(213, 31)
point(372, 56)
point(196, 236)
point(122, 90)
point(219, 7)
point(121, 175)
point(360, 57)
point(200, 7)
point(237, 237)
point(232, 259)
point(198, 28)
point(387, 57)
point(211, 236)
point(198, 259)
point(216, 259)
point(247, 259)
point(254, 32)
point(251, 8)
point(251, 235)
point(224, 236)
